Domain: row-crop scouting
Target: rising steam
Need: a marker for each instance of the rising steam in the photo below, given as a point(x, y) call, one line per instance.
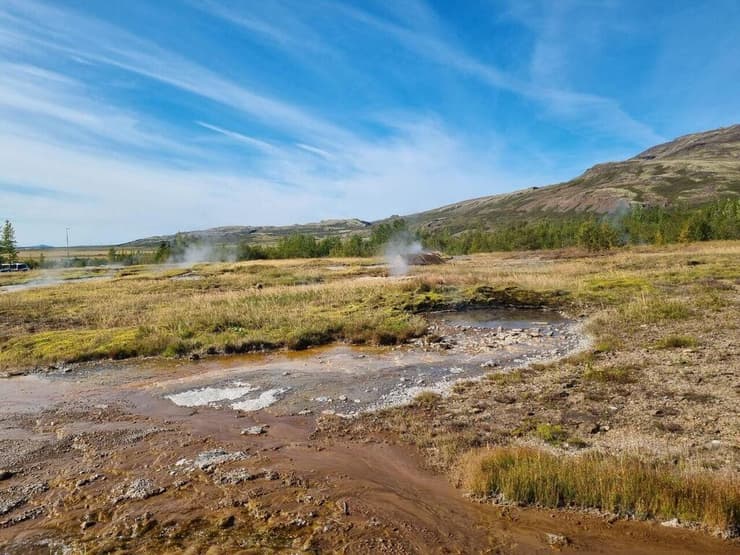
point(398, 250)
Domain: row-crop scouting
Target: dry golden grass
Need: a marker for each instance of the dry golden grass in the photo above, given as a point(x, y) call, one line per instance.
point(620, 485)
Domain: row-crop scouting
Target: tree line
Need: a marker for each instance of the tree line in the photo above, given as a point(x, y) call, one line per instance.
point(642, 225)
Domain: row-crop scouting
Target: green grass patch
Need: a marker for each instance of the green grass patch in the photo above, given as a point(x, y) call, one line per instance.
point(653, 310)
point(677, 342)
point(554, 434)
point(610, 374)
point(620, 485)
point(616, 288)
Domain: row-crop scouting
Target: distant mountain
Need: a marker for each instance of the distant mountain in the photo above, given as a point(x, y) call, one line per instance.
point(693, 169)
point(261, 234)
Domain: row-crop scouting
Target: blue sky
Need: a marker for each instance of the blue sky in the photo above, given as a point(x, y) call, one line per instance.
point(126, 119)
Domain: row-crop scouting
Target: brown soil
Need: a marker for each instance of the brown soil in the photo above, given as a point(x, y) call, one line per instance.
point(76, 450)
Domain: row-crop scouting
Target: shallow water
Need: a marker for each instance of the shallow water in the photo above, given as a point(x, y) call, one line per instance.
point(341, 379)
point(505, 318)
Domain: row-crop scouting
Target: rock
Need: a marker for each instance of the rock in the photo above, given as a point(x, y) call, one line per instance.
point(141, 488)
point(673, 523)
point(227, 522)
point(235, 477)
point(254, 431)
point(208, 459)
point(305, 412)
point(556, 540)
point(342, 397)
point(343, 507)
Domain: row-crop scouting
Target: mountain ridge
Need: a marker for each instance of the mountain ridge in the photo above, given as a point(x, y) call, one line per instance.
point(692, 169)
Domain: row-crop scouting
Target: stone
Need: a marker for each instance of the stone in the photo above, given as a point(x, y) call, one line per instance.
point(141, 488)
point(673, 523)
point(254, 431)
point(208, 459)
point(556, 540)
point(227, 522)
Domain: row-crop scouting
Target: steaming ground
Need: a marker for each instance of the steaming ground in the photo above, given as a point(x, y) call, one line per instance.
point(397, 250)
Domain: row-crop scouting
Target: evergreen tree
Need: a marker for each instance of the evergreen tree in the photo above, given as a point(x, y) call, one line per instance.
point(8, 250)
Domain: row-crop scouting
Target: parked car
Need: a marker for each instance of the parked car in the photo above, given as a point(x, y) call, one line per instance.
point(14, 267)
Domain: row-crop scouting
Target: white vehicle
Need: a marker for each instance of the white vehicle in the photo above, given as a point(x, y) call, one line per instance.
point(14, 267)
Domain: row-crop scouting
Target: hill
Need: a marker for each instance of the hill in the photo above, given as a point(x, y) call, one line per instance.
point(261, 234)
point(693, 169)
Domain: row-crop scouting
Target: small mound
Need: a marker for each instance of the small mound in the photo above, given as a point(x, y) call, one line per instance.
point(423, 259)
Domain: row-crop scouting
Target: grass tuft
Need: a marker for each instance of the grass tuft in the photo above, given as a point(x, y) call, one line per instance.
point(427, 399)
point(677, 342)
point(613, 374)
point(620, 485)
point(554, 434)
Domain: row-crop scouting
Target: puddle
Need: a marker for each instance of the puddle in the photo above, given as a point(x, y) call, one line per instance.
point(504, 318)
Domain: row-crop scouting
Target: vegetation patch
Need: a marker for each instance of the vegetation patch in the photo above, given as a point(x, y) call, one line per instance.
point(611, 374)
point(427, 399)
point(677, 342)
point(620, 485)
point(554, 434)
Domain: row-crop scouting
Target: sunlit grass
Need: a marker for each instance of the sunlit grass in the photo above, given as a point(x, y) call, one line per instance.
point(624, 485)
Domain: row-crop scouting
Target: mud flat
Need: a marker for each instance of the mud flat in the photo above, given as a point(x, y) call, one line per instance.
point(222, 455)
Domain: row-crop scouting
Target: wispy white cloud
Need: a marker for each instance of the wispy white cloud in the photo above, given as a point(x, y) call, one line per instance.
point(35, 101)
point(240, 137)
point(273, 22)
point(315, 150)
point(47, 28)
